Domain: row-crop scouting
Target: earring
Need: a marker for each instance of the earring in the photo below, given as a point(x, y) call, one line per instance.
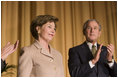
point(38, 32)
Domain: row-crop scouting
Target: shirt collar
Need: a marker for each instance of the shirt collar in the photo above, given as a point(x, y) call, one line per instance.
point(42, 49)
point(90, 45)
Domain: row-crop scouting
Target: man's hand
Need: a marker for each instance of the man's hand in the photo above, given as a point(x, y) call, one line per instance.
point(8, 49)
point(97, 56)
point(110, 52)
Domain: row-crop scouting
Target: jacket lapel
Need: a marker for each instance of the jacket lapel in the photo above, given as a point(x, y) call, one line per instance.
point(86, 53)
point(46, 53)
point(42, 50)
point(102, 55)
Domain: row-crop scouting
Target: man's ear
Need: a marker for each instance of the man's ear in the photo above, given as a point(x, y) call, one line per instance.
point(100, 33)
point(38, 29)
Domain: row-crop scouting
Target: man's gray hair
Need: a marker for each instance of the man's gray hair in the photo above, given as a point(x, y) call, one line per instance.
point(86, 23)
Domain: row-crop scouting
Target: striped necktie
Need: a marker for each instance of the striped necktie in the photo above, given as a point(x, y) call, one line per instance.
point(94, 50)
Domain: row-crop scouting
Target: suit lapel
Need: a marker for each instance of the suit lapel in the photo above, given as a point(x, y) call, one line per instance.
point(42, 50)
point(86, 53)
point(46, 53)
point(102, 55)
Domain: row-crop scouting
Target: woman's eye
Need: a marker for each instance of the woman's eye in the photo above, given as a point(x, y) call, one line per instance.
point(49, 26)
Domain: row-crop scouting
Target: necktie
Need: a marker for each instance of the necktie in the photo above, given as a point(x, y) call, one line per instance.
point(94, 50)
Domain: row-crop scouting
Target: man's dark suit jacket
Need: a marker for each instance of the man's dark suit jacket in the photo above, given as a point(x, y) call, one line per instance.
point(78, 63)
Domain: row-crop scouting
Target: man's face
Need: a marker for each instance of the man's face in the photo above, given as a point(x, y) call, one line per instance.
point(92, 32)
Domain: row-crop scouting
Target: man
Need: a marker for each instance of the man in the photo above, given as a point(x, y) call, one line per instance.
point(91, 59)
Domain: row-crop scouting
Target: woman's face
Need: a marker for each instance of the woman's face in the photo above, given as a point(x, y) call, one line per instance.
point(47, 31)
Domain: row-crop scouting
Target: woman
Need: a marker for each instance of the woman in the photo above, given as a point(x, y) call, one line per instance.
point(40, 59)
